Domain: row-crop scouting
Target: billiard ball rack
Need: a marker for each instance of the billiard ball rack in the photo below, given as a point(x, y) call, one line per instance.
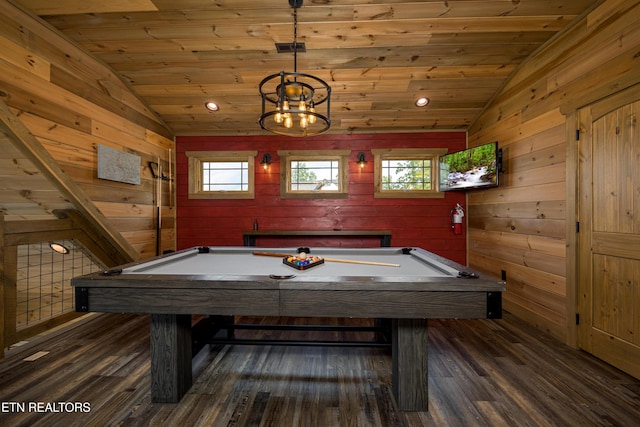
point(300, 262)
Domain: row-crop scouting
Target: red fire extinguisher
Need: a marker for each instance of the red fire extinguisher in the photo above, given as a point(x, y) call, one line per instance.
point(456, 215)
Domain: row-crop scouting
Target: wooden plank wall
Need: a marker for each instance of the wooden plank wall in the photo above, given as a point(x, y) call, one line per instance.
point(526, 227)
point(413, 222)
point(72, 103)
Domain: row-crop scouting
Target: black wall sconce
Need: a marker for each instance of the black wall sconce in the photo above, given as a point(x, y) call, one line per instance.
point(266, 161)
point(362, 160)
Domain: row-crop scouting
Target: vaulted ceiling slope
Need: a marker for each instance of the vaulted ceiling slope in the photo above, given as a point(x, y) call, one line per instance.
point(378, 56)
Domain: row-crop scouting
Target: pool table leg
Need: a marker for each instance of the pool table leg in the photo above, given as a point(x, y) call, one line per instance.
point(409, 364)
point(170, 357)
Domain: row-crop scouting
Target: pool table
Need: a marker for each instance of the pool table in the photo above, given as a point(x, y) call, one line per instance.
point(228, 281)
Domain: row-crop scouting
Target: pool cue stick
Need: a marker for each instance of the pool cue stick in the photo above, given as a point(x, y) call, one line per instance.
point(159, 207)
point(170, 180)
point(347, 261)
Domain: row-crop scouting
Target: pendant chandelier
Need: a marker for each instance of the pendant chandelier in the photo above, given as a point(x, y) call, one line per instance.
point(295, 104)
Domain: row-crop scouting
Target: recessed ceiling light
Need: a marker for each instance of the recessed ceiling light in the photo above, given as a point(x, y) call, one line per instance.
point(421, 102)
point(211, 106)
point(59, 248)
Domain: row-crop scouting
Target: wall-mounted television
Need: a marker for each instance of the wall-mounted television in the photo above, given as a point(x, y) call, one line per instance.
point(477, 167)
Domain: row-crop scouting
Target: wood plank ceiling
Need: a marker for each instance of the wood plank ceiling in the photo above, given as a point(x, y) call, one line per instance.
point(379, 56)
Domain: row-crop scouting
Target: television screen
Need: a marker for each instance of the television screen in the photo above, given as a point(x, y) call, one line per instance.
point(476, 167)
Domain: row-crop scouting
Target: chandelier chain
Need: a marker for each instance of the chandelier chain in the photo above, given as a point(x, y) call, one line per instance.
point(295, 39)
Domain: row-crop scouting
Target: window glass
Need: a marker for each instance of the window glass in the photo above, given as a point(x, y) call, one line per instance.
point(225, 176)
point(406, 174)
point(315, 175)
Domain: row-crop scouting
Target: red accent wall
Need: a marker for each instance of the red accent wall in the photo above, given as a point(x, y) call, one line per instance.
point(414, 222)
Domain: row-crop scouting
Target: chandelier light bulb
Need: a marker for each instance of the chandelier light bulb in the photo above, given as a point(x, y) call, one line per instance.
point(278, 116)
point(288, 121)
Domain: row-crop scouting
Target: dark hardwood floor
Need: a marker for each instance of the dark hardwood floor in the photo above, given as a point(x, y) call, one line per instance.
point(95, 372)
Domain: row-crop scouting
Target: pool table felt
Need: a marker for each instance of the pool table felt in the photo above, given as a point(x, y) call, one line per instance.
point(237, 263)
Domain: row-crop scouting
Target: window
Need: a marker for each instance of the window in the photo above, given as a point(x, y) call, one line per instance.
point(314, 174)
point(406, 172)
point(221, 174)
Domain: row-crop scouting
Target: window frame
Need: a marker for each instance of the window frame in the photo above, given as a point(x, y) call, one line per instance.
point(197, 158)
point(432, 154)
point(287, 156)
